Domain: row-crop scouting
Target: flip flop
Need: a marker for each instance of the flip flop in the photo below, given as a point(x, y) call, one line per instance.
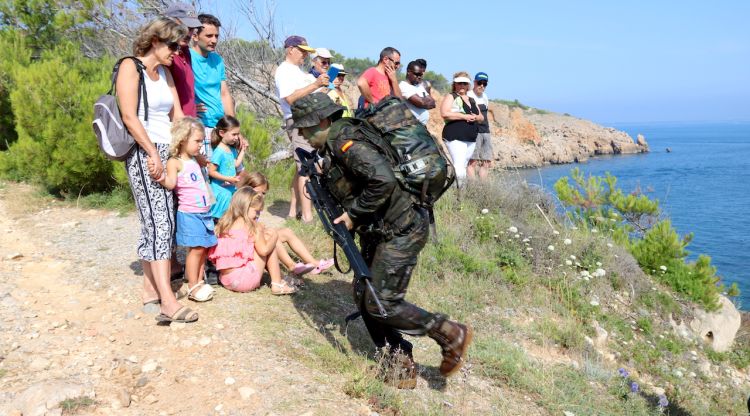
point(302, 268)
point(323, 265)
point(184, 315)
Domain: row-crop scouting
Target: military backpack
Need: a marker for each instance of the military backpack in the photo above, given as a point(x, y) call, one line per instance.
point(419, 163)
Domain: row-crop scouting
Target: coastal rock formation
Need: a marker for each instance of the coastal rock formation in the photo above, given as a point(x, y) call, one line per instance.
point(532, 137)
point(718, 328)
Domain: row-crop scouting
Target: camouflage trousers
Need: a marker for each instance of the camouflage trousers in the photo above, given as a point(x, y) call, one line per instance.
point(391, 263)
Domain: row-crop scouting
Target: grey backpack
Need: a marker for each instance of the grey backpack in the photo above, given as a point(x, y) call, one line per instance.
point(114, 138)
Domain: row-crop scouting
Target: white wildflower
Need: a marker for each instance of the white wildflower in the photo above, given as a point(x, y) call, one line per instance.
point(572, 257)
point(525, 240)
point(555, 232)
point(594, 302)
point(513, 229)
point(585, 273)
point(568, 262)
point(567, 241)
point(594, 230)
point(609, 245)
point(551, 247)
point(529, 248)
point(598, 263)
point(517, 236)
point(663, 268)
point(599, 273)
point(495, 236)
point(485, 211)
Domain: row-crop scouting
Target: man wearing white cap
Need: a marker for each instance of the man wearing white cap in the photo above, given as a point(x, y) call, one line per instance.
point(321, 61)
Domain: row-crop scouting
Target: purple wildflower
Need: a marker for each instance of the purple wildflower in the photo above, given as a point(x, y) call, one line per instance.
point(663, 402)
point(623, 373)
point(634, 387)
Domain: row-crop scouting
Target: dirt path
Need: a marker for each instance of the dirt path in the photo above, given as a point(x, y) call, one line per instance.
point(72, 327)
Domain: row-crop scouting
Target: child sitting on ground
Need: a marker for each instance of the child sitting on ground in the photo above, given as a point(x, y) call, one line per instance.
point(226, 162)
point(259, 183)
point(195, 228)
point(246, 247)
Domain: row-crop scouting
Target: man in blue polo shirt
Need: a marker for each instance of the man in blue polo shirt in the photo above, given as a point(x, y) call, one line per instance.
point(212, 95)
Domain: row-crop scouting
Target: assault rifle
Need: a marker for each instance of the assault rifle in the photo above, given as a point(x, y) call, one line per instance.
point(328, 210)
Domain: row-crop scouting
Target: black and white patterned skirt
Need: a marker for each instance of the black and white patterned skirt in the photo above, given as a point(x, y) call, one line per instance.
point(155, 204)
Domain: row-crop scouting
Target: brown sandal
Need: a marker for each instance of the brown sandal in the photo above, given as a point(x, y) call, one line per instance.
point(184, 314)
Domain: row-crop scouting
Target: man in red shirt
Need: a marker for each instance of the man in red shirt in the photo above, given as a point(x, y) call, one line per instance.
point(381, 80)
point(181, 68)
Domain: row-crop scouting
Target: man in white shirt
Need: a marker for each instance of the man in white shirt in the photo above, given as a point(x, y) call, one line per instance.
point(483, 153)
point(417, 98)
point(292, 83)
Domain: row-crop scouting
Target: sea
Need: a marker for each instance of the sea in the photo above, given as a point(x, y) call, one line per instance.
point(700, 173)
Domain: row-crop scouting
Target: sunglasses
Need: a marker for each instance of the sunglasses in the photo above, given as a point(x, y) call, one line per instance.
point(325, 61)
point(482, 83)
point(418, 74)
point(173, 46)
point(341, 76)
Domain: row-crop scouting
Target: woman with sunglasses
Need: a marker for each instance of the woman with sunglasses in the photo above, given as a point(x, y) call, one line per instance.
point(337, 94)
point(154, 47)
point(461, 116)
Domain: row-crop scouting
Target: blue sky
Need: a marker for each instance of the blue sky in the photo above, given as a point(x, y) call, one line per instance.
point(610, 62)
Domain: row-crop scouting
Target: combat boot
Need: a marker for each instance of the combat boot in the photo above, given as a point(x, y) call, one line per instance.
point(454, 339)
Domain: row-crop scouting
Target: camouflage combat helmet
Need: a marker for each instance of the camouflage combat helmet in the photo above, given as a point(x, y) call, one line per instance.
point(310, 109)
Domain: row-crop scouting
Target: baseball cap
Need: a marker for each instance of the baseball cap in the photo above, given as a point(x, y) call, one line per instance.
point(185, 12)
point(340, 67)
point(321, 53)
point(481, 76)
point(299, 42)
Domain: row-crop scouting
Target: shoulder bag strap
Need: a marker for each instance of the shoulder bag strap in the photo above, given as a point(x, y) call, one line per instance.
point(141, 83)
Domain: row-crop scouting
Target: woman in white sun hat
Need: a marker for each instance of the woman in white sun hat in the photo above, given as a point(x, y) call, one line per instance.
point(461, 116)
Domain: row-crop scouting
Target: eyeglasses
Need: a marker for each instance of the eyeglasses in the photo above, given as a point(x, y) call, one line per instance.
point(340, 76)
point(395, 63)
point(482, 83)
point(325, 61)
point(173, 46)
point(418, 74)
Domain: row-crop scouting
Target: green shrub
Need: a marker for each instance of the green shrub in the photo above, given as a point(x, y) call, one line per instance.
point(632, 220)
point(52, 103)
point(260, 137)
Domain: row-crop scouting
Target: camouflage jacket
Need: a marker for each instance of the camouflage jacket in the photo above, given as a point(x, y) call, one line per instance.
point(361, 178)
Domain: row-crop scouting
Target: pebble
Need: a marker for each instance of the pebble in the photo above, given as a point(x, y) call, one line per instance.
point(133, 359)
point(150, 399)
point(39, 363)
point(229, 381)
point(14, 256)
point(204, 341)
point(149, 366)
point(219, 407)
point(246, 392)
point(219, 326)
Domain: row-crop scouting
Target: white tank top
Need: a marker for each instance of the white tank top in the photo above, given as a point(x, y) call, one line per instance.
point(160, 102)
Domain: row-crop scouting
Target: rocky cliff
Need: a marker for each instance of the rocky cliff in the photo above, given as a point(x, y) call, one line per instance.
point(532, 137)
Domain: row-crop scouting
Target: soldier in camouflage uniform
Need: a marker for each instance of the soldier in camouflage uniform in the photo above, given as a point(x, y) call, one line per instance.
point(392, 229)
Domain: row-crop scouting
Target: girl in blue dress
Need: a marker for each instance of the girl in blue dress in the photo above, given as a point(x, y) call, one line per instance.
point(225, 163)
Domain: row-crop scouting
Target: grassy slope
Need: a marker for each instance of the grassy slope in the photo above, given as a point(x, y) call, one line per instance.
point(532, 313)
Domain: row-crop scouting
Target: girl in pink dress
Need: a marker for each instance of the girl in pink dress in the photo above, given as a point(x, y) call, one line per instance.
point(309, 264)
point(246, 247)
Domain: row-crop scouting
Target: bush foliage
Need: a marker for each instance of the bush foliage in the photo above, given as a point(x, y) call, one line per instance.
point(597, 204)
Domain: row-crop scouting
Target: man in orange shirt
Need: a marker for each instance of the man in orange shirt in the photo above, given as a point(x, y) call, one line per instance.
point(381, 80)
